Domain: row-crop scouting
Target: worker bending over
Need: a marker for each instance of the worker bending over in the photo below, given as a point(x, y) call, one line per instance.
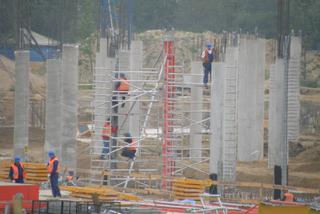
point(107, 132)
point(54, 169)
point(122, 87)
point(130, 151)
point(288, 196)
point(207, 58)
point(17, 173)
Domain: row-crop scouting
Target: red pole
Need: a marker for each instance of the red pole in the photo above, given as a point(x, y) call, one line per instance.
point(168, 108)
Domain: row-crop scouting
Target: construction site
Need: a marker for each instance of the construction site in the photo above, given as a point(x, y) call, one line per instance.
point(130, 122)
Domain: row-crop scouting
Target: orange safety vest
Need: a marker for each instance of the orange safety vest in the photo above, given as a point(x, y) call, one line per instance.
point(16, 171)
point(69, 178)
point(288, 197)
point(50, 166)
point(133, 146)
point(124, 85)
point(206, 56)
point(106, 131)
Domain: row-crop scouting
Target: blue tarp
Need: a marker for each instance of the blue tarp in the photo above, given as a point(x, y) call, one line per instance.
point(49, 53)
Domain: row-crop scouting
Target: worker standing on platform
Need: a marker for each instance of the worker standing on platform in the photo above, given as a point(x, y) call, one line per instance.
point(122, 87)
point(130, 151)
point(107, 132)
point(207, 58)
point(17, 173)
point(54, 169)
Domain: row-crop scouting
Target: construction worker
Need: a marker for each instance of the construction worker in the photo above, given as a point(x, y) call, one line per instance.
point(54, 169)
point(122, 87)
point(130, 151)
point(107, 132)
point(17, 173)
point(70, 179)
point(288, 196)
point(207, 58)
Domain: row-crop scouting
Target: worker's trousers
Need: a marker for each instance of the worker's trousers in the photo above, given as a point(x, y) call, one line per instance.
point(54, 184)
point(206, 72)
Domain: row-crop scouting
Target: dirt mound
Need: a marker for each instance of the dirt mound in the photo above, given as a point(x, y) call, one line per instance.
point(7, 76)
point(310, 154)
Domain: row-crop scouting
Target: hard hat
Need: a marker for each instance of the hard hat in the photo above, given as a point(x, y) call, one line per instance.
point(17, 159)
point(209, 45)
point(51, 154)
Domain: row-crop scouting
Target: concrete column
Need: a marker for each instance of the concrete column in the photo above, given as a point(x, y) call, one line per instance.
point(124, 66)
point(100, 94)
point(136, 60)
point(294, 89)
point(70, 91)
point(196, 112)
point(229, 120)
point(216, 119)
point(277, 145)
point(251, 99)
point(21, 110)
point(53, 130)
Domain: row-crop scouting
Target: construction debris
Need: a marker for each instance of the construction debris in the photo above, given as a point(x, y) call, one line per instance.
point(99, 193)
point(189, 188)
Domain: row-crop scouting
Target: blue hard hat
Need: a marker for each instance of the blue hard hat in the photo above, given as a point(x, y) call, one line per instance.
point(51, 154)
point(17, 159)
point(209, 45)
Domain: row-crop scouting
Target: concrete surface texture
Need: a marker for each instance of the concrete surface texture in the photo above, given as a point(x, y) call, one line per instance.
point(136, 60)
point(100, 93)
point(251, 99)
point(70, 90)
point(21, 113)
point(53, 129)
point(216, 109)
point(277, 145)
point(294, 89)
point(196, 107)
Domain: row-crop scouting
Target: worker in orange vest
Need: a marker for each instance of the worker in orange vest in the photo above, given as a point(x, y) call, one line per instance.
point(17, 173)
point(207, 58)
point(107, 132)
point(288, 196)
point(54, 169)
point(122, 87)
point(130, 151)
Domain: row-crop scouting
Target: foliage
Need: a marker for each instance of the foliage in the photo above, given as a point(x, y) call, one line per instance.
point(75, 20)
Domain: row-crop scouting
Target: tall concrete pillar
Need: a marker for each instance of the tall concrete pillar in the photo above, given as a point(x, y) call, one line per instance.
point(277, 145)
point(196, 112)
point(251, 99)
point(229, 120)
point(70, 92)
point(100, 94)
point(21, 110)
point(124, 66)
point(53, 130)
point(216, 120)
point(294, 89)
point(223, 146)
point(136, 60)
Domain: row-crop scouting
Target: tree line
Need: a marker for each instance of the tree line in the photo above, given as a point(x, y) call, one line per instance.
point(75, 20)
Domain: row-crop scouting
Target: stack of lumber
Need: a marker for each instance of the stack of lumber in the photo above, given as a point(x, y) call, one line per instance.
point(35, 172)
point(188, 188)
point(101, 193)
